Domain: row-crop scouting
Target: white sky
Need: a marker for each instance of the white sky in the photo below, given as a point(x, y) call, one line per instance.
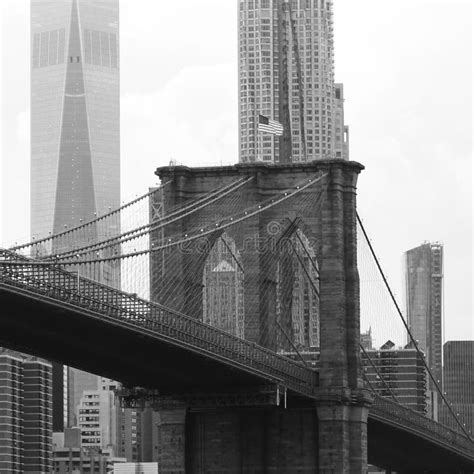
point(406, 66)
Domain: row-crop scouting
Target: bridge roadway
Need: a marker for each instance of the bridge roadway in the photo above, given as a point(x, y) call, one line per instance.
point(106, 331)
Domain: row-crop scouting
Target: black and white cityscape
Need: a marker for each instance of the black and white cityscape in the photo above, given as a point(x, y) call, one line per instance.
point(236, 237)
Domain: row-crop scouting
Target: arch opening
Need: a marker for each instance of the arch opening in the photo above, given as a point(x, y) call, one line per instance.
point(223, 287)
point(297, 296)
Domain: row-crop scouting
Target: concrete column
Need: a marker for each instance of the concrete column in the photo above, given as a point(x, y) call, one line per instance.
point(172, 440)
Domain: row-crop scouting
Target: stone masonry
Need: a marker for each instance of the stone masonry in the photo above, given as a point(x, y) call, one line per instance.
point(333, 439)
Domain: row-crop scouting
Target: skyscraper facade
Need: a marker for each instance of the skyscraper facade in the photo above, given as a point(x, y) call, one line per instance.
point(75, 112)
point(37, 414)
point(398, 372)
point(97, 420)
point(69, 456)
point(223, 289)
point(75, 130)
point(286, 73)
point(458, 367)
point(424, 302)
point(10, 419)
point(25, 413)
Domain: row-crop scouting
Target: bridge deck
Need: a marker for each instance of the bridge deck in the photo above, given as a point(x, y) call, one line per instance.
point(44, 294)
point(178, 331)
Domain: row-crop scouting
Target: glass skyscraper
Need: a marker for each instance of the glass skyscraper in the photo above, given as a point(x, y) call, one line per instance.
point(75, 112)
point(75, 130)
point(286, 73)
point(424, 302)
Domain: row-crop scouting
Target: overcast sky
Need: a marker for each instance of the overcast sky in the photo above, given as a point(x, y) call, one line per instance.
point(406, 66)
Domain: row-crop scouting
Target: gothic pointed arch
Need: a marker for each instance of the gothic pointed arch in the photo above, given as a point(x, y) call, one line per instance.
point(297, 294)
point(223, 287)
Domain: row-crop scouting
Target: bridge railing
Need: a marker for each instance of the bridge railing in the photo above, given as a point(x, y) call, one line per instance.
point(56, 283)
point(389, 410)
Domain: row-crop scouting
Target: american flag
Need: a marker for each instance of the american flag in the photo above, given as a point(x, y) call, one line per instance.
point(269, 126)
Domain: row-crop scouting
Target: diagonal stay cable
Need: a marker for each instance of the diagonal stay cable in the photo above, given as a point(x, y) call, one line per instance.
point(88, 223)
point(303, 266)
point(408, 329)
point(218, 225)
point(289, 231)
point(310, 257)
point(233, 256)
point(158, 224)
point(377, 373)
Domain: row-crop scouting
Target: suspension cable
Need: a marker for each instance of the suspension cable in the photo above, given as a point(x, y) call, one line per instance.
point(85, 224)
point(408, 329)
point(378, 373)
point(166, 220)
point(250, 212)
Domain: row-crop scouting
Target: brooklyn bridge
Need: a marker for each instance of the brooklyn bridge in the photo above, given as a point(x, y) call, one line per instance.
point(234, 309)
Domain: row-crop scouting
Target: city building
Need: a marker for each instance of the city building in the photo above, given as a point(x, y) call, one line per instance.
point(129, 433)
point(398, 372)
point(297, 296)
point(25, 413)
point(150, 438)
point(37, 415)
point(341, 130)
point(136, 468)
point(286, 73)
point(97, 420)
point(458, 373)
point(77, 382)
point(366, 339)
point(423, 267)
point(11, 452)
point(75, 139)
point(223, 298)
point(70, 457)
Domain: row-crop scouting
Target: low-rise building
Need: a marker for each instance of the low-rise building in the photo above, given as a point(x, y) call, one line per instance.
point(69, 456)
point(398, 372)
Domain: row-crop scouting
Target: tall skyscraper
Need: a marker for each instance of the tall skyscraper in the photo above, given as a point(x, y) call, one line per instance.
point(25, 413)
point(286, 73)
point(424, 302)
point(75, 129)
point(458, 367)
point(10, 420)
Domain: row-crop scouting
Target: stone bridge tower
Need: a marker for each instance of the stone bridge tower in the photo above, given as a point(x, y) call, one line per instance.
point(337, 439)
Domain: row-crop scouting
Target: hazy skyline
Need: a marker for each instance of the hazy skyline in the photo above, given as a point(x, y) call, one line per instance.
point(406, 70)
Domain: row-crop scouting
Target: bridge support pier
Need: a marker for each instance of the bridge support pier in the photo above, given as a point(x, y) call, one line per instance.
point(340, 427)
point(172, 440)
point(267, 439)
point(342, 421)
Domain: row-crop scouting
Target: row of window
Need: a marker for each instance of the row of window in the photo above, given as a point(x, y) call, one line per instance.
point(295, 4)
point(100, 48)
point(48, 48)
